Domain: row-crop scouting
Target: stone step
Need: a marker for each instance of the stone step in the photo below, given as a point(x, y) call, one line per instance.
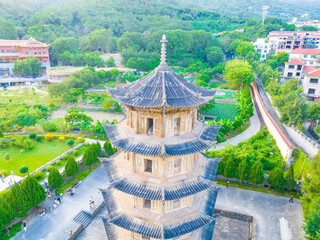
point(84, 218)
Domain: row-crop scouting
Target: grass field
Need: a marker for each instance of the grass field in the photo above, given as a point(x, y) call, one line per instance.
point(229, 95)
point(24, 95)
point(223, 111)
point(40, 154)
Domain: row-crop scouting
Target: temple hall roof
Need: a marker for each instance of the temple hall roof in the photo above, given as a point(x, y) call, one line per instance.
point(160, 192)
point(199, 140)
point(162, 87)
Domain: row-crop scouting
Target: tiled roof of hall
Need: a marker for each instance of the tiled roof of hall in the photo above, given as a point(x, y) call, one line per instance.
point(162, 87)
point(180, 226)
point(201, 138)
point(159, 192)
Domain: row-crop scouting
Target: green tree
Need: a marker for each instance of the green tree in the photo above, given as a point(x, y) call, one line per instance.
point(71, 167)
point(30, 65)
point(98, 40)
point(238, 73)
point(1, 134)
point(76, 117)
point(257, 174)
point(230, 169)
point(201, 83)
point(7, 213)
point(281, 58)
point(7, 30)
point(18, 200)
point(111, 62)
point(313, 111)
point(89, 156)
point(108, 148)
point(203, 77)
point(312, 221)
point(114, 74)
point(129, 76)
point(214, 55)
point(244, 170)
point(243, 48)
point(63, 44)
point(289, 177)
point(55, 179)
point(33, 191)
point(7, 156)
point(276, 179)
point(208, 106)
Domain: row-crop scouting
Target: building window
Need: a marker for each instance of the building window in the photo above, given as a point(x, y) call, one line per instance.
point(7, 60)
point(298, 74)
point(176, 204)
point(291, 66)
point(311, 91)
point(299, 67)
point(147, 204)
point(305, 56)
point(1, 61)
point(148, 165)
point(45, 60)
point(8, 50)
point(150, 126)
point(177, 165)
point(176, 125)
point(289, 74)
point(314, 80)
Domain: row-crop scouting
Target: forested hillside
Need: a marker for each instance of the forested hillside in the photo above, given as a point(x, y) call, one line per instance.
point(286, 9)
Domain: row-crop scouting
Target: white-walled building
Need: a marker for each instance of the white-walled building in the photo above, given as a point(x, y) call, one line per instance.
point(262, 47)
point(311, 85)
point(311, 57)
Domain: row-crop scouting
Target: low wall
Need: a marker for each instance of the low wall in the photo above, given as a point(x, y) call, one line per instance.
point(310, 146)
point(281, 140)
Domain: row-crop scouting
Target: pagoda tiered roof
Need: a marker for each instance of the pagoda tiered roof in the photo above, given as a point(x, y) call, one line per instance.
point(160, 192)
point(201, 138)
point(179, 227)
point(162, 87)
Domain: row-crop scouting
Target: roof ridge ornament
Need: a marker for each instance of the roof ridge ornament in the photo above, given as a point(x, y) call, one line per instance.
point(163, 49)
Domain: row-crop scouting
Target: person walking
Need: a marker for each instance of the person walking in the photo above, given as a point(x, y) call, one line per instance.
point(227, 183)
point(92, 202)
point(24, 226)
point(291, 199)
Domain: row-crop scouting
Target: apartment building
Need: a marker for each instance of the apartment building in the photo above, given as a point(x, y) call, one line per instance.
point(311, 85)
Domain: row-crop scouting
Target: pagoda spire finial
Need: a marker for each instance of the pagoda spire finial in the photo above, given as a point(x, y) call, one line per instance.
point(163, 49)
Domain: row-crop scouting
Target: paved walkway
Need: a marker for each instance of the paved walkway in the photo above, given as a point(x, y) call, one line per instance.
point(253, 129)
point(57, 224)
point(275, 218)
point(7, 181)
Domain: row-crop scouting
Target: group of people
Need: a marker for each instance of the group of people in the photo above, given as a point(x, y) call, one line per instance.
point(57, 202)
point(2, 177)
point(91, 203)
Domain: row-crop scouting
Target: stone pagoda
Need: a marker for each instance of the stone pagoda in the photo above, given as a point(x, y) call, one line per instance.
point(161, 183)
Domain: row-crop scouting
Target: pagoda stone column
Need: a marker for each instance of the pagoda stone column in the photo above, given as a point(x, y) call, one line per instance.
point(161, 183)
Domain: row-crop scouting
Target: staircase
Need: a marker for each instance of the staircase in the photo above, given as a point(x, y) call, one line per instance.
point(84, 218)
point(48, 203)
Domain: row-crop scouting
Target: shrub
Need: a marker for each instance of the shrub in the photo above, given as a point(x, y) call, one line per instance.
point(32, 135)
point(75, 152)
point(65, 157)
point(23, 169)
point(87, 144)
point(61, 139)
point(49, 168)
point(4, 172)
point(7, 156)
point(80, 140)
point(58, 162)
point(39, 138)
point(48, 137)
point(70, 142)
point(38, 175)
point(55, 179)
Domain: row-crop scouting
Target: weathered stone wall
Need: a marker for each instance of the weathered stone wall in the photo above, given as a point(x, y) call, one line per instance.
point(281, 141)
point(303, 141)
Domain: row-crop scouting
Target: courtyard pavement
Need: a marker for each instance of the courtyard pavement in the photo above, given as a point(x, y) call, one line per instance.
point(9, 180)
point(57, 224)
point(275, 218)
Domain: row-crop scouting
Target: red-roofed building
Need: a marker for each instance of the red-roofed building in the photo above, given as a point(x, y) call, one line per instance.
point(311, 85)
point(11, 50)
point(309, 56)
point(293, 69)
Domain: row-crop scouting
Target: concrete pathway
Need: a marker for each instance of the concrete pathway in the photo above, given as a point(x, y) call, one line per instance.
point(8, 181)
point(275, 218)
point(57, 224)
point(253, 129)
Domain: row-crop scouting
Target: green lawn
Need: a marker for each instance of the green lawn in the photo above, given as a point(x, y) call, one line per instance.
point(229, 95)
point(223, 111)
point(40, 154)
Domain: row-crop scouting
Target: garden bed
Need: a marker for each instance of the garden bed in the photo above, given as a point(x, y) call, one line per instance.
point(40, 154)
point(223, 111)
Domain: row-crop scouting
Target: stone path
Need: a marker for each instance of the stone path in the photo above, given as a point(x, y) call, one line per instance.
point(57, 224)
point(253, 129)
point(275, 218)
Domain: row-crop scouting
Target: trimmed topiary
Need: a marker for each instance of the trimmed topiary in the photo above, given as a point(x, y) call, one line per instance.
point(87, 144)
point(75, 152)
point(39, 138)
point(32, 135)
point(61, 139)
point(65, 157)
point(24, 169)
point(48, 137)
point(39, 175)
point(49, 168)
point(58, 162)
point(4, 172)
point(70, 142)
point(80, 140)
